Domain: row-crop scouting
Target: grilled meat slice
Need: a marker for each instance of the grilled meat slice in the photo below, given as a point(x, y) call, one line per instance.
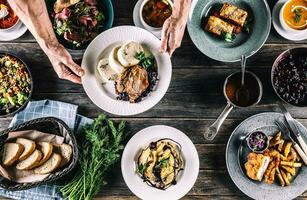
point(233, 14)
point(218, 26)
point(133, 81)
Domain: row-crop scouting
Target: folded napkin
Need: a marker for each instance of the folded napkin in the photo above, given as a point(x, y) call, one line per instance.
point(46, 108)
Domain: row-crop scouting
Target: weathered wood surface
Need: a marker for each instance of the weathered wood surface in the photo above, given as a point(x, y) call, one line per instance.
point(194, 99)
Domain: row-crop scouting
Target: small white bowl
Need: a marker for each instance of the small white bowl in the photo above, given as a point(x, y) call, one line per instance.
point(147, 26)
point(284, 24)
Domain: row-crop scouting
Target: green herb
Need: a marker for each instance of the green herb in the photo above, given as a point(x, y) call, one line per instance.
point(65, 27)
point(228, 37)
point(163, 162)
point(101, 17)
point(99, 149)
point(298, 15)
point(247, 25)
point(141, 169)
point(145, 62)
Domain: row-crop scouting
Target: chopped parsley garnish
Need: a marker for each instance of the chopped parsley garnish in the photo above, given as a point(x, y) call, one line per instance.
point(228, 37)
point(298, 15)
point(145, 62)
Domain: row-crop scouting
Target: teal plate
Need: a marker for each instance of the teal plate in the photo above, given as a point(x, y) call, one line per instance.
point(108, 11)
point(244, 43)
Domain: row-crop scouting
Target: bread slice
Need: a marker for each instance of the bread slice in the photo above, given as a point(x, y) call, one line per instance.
point(31, 161)
point(127, 53)
point(29, 147)
point(50, 165)
point(65, 150)
point(11, 153)
point(46, 148)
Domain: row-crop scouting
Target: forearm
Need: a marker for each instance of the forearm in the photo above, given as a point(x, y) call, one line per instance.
point(33, 13)
point(182, 8)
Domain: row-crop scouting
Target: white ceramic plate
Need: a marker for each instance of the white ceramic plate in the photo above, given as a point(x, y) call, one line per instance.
point(15, 32)
point(141, 140)
point(137, 21)
point(294, 36)
point(103, 95)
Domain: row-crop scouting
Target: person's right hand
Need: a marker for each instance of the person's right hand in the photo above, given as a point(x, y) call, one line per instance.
point(63, 63)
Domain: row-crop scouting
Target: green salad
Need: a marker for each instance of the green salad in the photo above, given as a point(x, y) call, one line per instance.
point(15, 84)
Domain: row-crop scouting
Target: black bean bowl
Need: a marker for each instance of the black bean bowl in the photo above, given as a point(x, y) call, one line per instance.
point(15, 110)
point(289, 76)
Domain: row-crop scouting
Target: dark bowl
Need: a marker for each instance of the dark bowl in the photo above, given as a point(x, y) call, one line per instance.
point(108, 11)
point(295, 53)
point(16, 110)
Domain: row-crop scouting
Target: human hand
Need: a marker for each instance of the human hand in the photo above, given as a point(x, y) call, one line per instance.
point(172, 34)
point(63, 63)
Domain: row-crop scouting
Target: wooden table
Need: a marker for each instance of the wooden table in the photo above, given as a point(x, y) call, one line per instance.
point(193, 101)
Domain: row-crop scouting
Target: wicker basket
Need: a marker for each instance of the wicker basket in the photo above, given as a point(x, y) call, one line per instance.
point(49, 125)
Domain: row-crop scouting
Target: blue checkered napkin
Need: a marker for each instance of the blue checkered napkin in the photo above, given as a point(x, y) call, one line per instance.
point(46, 108)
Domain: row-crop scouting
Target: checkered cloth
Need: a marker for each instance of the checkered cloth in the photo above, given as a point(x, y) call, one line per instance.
point(46, 108)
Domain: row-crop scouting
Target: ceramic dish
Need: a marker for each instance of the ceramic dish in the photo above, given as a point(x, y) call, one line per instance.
point(137, 20)
point(103, 95)
point(187, 176)
point(14, 32)
point(244, 44)
point(15, 110)
point(236, 152)
point(290, 35)
point(107, 9)
point(283, 61)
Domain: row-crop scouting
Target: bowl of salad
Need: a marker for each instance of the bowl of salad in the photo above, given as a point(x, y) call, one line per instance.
point(16, 84)
point(77, 22)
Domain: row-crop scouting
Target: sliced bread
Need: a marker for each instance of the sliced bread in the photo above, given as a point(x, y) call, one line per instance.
point(50, 165)
point(29, 147)
point(65, 150)
point(11, 153)
point(30, 161)
point(46, 148)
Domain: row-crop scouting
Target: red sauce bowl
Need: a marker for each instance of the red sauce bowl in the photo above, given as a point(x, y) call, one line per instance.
point(9, 21)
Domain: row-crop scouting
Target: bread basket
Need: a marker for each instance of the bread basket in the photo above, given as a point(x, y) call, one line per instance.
point(49, 125)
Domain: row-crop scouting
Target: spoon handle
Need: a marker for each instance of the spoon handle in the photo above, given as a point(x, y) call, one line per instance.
point(212, 130)
point(243, 64)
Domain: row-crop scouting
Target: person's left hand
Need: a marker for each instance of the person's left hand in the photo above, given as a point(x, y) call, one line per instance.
point(172, 34)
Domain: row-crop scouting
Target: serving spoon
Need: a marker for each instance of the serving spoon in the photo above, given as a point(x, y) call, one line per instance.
point(242, 94)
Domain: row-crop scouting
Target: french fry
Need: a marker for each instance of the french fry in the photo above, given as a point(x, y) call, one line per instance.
point(292, 155)
point(284, 176)
point(291, 170)
point(289, 177)
point(280, 145)
point(287, 149)
point(291, 163)
point(275, 140)
point(284, 158)
point(280, 178)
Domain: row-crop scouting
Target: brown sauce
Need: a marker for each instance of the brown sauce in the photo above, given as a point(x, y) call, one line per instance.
point(252, 86)
point(155, 12)
point(9, 20)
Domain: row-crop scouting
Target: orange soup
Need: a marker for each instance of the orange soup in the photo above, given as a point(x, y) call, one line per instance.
point(295, 14)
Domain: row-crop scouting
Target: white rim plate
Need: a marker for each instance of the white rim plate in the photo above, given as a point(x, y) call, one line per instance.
point(104, 95)
point(13, 33)
point(137, 21)
point(294, 36)
point(142, 139)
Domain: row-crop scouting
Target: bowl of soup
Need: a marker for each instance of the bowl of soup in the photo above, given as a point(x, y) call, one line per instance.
point(8, 18)
point(153, 13)
point(293, 15)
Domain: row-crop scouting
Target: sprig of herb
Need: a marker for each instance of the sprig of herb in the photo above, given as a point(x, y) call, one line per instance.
point(163, 162)
point(247, 25)
point(228, 37)
point(145, 62)
point(298, 15)
point(99, 149)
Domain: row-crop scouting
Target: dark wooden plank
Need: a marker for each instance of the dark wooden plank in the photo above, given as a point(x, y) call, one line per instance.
point(193, 128)
point(173, 105)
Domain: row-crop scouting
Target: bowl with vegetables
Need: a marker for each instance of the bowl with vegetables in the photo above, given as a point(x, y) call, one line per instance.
point(76, 23)
point(16, 84)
